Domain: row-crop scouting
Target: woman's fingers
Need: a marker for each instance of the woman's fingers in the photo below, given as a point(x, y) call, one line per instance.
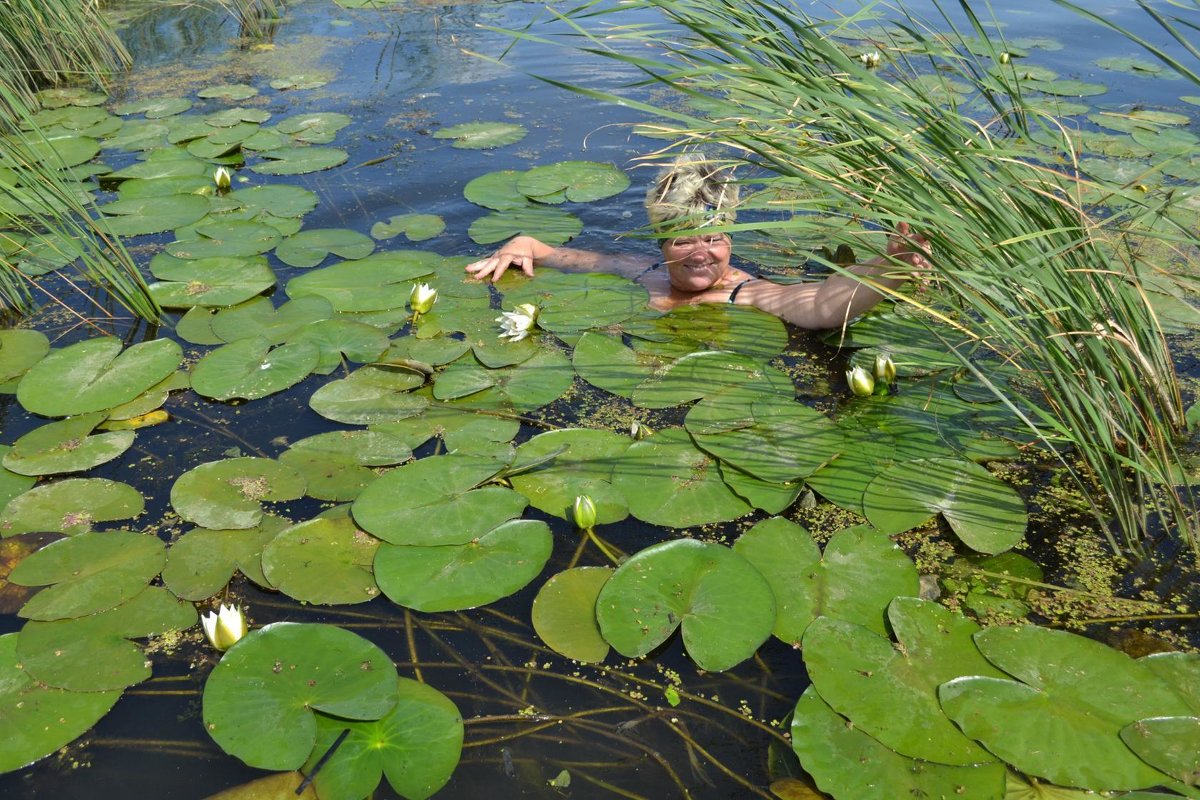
point(497, 264)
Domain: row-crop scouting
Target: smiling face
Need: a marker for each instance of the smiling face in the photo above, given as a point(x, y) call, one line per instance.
point(696, 263)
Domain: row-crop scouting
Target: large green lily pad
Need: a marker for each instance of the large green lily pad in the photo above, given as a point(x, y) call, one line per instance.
point(339, 341)
point(415, 227)
point(722, 603)
point(231, 238)
point(607, 363)
point(309, 248)
point(496, 190)
point(375, 283)
point(460, 429)
point(787, 441)
point(889, 690)
point(12, 484)
point(481, 135)
point(985, 513)
point(38, 720)
point(259, 701)
point(260, 317)
point(228, 494)
point(713, 326)
point(1069, 690)
point(535, 382)
point(1172, 744)
point(279, 200)
point(149, 400)
point(201, 562)
point(784, 553)
point(416, 745)
point(577, 181)
point(570, 303)
point(584, 468)
point(846, 762)
point(95, 375)
point(338, 465)
point(454, 577)
point(437, 500)
point(217, 281)
point(140, 215)
point(551, 225)
point(668, 481)
point(371, 394)
point(323, 561)
point(93, 653)
point(564, 613)
point(251, 368)
point(20, 349)
point(300, 160)
point(70, 506)
point(88, 573)
point(66, 446)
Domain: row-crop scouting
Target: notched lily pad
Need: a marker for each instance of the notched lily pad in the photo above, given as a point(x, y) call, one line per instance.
point(323, 561)
point(251, 368)
point(70, 506)
point(66, 446)
point(481, 135)
point(201, 562)
point(564, 613)
point(229, 493)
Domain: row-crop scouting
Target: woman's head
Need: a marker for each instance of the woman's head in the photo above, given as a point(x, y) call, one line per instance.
point(691, 194)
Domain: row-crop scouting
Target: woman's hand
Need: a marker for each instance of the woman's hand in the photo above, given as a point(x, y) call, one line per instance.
point(520, 252)
point(910, 247)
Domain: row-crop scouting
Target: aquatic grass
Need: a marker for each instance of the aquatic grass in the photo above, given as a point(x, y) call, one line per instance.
point(54, 210)
point(1027, 263)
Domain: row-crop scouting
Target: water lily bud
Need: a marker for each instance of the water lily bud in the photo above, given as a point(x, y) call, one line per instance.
point(223, 178)
point(224, 627)
point(862, 384)
point(1005, 58)
point(885, 369)
point(422, 298)
point(584, 512)
point(639, 430)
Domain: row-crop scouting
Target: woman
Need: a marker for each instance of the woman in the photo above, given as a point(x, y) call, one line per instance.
point(691, 195)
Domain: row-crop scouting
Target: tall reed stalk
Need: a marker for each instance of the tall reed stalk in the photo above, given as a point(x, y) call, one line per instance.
point(1053, 287)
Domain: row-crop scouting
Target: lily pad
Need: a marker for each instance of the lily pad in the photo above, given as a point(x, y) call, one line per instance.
point(570, 303)
point(722, 603)
point(70, 506)
point(339, 341)
point(232, 117)
point(66, 446)
point(455, 577)
point(93, 653)
point(712, 326)
point(39, 720)
point(259, 701)
point(309, 248)
point(415, 227)
point(668, 481)
point(846, 762)
point(607, 363)
point(299, 160)
point(59, 152)
point(228, 91)
point(536, 382)
point(156, 108)
point(140, 215)
point(339, 465)
point(250, 369)
point(201, 562)
point(784, 553)
point(279, 200)
point(1071, 690)
point(437, 500)
point(416, 745)
point(227, 494)
point(232, 238)
point(585, 467)
point(496, 190)
point(371, 394)
point(12, 483)
point(20, 349)
point(577, 181)
point(316, 128)
point(375, 283)
point(219, 281)
point(299, 81)
point(88, 573)
point(481, 135)
point(551, 225)
point(889, 690)
point(985, 513)
point(564, 613)
point(459, 428)
point(259, 317)
point(322, 561)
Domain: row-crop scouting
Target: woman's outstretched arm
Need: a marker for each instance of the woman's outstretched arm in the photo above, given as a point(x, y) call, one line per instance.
point(526, 252)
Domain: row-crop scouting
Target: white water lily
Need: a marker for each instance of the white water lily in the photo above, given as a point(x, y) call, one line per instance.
point(870, 60)
point(517, 324)
point(885, 369)
point(224, 627)
point(422, 298)
point(862, 383)
point(223, 178)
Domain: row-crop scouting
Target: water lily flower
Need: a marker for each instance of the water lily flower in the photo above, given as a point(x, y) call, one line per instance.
point(862, 383)
point(639, 430)
point(517, 324)
point(870, 60)
point(224, 627)
point(223, 178)
point(422, 298)
point(885, 369)
point(584, 512)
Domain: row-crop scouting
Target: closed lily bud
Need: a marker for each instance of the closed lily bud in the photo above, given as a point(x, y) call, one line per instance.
point(224, 627)
point(639, 430)
point(1005, 58)
point(862, 384)
point(422, 298)
point(223, 178)
point(584, 512)
point(885, 369)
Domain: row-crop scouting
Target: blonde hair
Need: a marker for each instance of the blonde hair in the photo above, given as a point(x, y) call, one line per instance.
point(692, 193)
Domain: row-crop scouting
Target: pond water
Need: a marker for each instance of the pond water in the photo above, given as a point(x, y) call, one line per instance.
point(402, 74)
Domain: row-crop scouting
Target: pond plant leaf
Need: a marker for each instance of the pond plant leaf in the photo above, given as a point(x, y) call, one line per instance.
point(228, 91)
point(375, 283)
point(438, 500)
point(314, 128)
point(481, 135)
point(299, 81)
point(258, 317)
point(148, 401)
point(66, 446)
point(458, 428)
point(371, 394)
point(722, 604)
point(276, 786)
point(12, 483)
point(70, 506)
point(772, 498)
point(88, 573)
point(584, 467)
point(309, 248)
point(251, 368)
point(155, 108)
point(1073, 691)
point(20, 349)
point(201, 562)
point(260, 700)
point(217, 281)
point(460, 576)
point(415, 227)
point(524, 387)
point(668, 481)
point(846, 762)
point(416, 746)
point(564, 613)
point(299, 160)
point(607, 363)
point(322, 561)
point(551, 225)
point(230, 238)
point(577, 181)
point(93, 653)
point(787, 441)
point(280, 200)
point(339, 341)
point(496, 190)
point(784, 553)
point(228, 494)
point(37, 719)
point(338, 465)
point(889, 690)
point(141, 215)
point(712, 326)
point(985, 513)
point(1172, 744)
point(570, 303)
point(95, 375)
